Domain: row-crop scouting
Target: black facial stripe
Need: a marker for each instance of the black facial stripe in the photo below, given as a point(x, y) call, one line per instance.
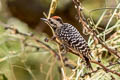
point(58, 19)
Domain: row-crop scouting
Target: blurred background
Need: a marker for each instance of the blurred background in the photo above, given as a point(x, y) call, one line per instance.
point(30, 11)
point(25, 15)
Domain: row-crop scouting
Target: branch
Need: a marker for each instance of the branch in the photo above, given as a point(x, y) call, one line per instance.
point(105, 68)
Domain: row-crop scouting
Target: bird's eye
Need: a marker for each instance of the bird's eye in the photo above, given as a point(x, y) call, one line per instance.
point(51, 22)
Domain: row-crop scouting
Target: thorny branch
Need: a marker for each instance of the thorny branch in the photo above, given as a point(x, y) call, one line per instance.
point(106, 69)
point(83, 21)
point(102, 66)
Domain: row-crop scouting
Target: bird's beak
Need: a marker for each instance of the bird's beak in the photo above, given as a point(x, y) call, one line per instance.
point(44, 19)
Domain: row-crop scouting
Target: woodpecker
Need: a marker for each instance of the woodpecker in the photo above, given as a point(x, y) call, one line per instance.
point(69, 36)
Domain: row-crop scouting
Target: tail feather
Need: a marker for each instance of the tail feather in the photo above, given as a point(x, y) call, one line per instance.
point(88, 63)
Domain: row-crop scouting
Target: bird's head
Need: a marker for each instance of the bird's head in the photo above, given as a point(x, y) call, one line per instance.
point(54, 22)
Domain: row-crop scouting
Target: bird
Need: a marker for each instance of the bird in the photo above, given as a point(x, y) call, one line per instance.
point(69, 36)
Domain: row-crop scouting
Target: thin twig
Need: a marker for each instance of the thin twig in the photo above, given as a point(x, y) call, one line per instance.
point(105, 68)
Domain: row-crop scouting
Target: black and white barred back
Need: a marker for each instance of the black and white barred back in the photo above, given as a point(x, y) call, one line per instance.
point(71, 37)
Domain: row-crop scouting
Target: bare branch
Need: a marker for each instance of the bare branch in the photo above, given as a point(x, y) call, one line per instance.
point(106, 69)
